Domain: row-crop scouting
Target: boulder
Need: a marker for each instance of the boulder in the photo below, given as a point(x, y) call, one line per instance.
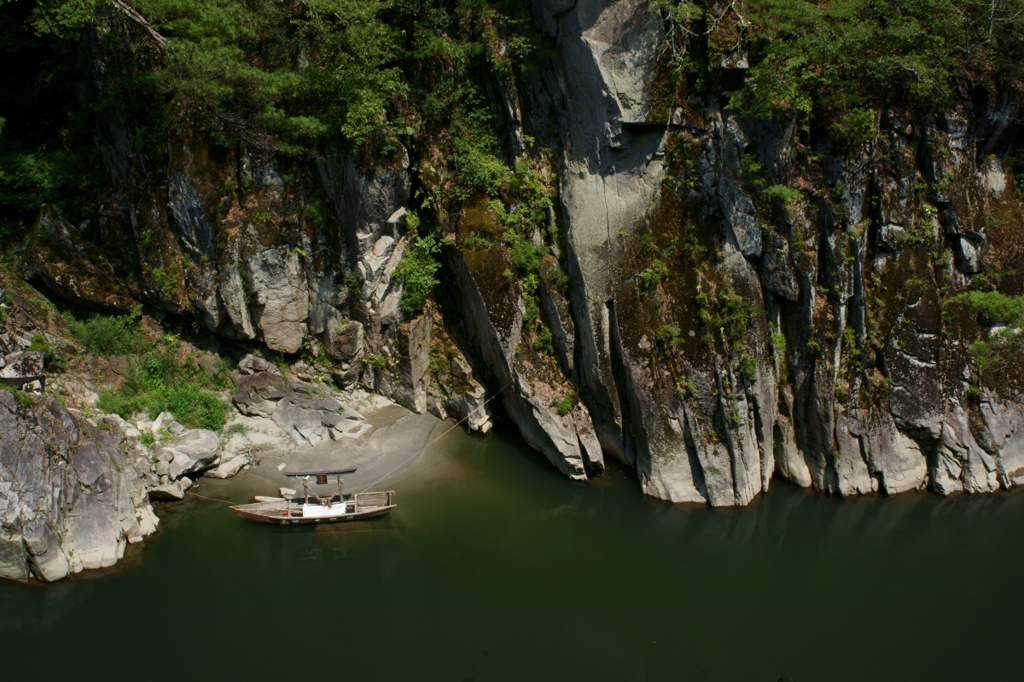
point(27, 363)
point(193, 451)
point(229, 468)
point(200, 444)
point(163, 421)
point(171, 491)
point(303, 415)
point(251, 364)
point(253, 391)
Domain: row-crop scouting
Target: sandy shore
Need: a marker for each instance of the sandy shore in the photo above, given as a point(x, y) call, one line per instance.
point(392, 449)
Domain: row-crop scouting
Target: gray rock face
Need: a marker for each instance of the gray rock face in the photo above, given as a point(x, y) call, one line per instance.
point(810, 337)
point(74, 267)
point(495, 316)
point(280, 297)
point(309, 413)
point(69, 499)
point(257, 394)
point(22, 369)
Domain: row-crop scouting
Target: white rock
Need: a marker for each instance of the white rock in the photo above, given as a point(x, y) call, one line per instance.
point(163, 420)
point(229, 468)
point(171, 490)
point(180, 465)
point(199, 444)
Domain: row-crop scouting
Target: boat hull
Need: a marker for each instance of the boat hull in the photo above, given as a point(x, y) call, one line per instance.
point(286, 513)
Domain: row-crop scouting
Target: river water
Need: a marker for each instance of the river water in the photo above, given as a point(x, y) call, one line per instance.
point(494, 567)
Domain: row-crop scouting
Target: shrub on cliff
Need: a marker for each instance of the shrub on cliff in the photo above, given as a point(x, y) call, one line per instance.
point(416, 271)
point(108, 336)
point(840, 63)
point(156, 379)
point(994, 306)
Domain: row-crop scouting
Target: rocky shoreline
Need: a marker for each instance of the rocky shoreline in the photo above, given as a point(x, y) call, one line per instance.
point(76, 491)
point(709, 297)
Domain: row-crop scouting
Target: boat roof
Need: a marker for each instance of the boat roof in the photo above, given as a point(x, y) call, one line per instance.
point(311, 474)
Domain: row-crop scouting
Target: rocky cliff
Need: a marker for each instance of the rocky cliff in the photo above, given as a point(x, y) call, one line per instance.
point(713, 299)
point(70, 498)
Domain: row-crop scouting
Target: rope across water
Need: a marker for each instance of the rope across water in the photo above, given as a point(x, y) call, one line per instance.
point(454, 426)
point(211, 499)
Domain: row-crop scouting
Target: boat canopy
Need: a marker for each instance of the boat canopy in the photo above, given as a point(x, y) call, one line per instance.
point(320, 476)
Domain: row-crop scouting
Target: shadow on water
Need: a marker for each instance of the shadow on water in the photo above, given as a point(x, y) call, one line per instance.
point(495, 567)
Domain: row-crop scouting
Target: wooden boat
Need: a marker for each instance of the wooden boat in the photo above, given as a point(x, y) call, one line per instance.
point(334, 508)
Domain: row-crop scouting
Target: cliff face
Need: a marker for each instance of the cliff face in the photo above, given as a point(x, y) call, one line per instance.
point(70, 497)
point(710, 333)
point(810, 335)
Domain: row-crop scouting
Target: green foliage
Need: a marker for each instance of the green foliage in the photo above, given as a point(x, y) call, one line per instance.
point(355, 289)
point(107, 336)
point(25, 399)
point(840, 63)
point(288, 76)
point(47, 150)
point(543, 343)
point(157, 382)
point(778, 341)
point(849, 336)
point(53, 360)
point(994, 306)
point(525, 187)
point(684, 389)
point(236, 430)
point(788, 195)
point(378, 361)
point(651, 276)
point(563, 404)
point(147, 437)
point(729, 313)
point(748, 365)
point(670, 335)
point(416, 271)
point(981, 354)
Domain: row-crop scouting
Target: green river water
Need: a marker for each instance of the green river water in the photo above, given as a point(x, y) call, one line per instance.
point(494, 567)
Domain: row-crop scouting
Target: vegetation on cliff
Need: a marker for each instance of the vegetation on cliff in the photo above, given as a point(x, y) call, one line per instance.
point(840, 63)
point(157, 376)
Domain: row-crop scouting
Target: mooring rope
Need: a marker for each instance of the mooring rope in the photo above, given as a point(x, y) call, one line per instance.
point(455, 426)
point(211, 499)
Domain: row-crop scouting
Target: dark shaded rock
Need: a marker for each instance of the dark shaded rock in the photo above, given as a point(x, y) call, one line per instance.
point(254, 390)
point(73, 267)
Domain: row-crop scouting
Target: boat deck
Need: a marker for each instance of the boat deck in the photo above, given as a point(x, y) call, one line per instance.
point(286, 512)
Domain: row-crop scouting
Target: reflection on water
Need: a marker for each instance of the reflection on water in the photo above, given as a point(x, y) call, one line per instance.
point(495, 567)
